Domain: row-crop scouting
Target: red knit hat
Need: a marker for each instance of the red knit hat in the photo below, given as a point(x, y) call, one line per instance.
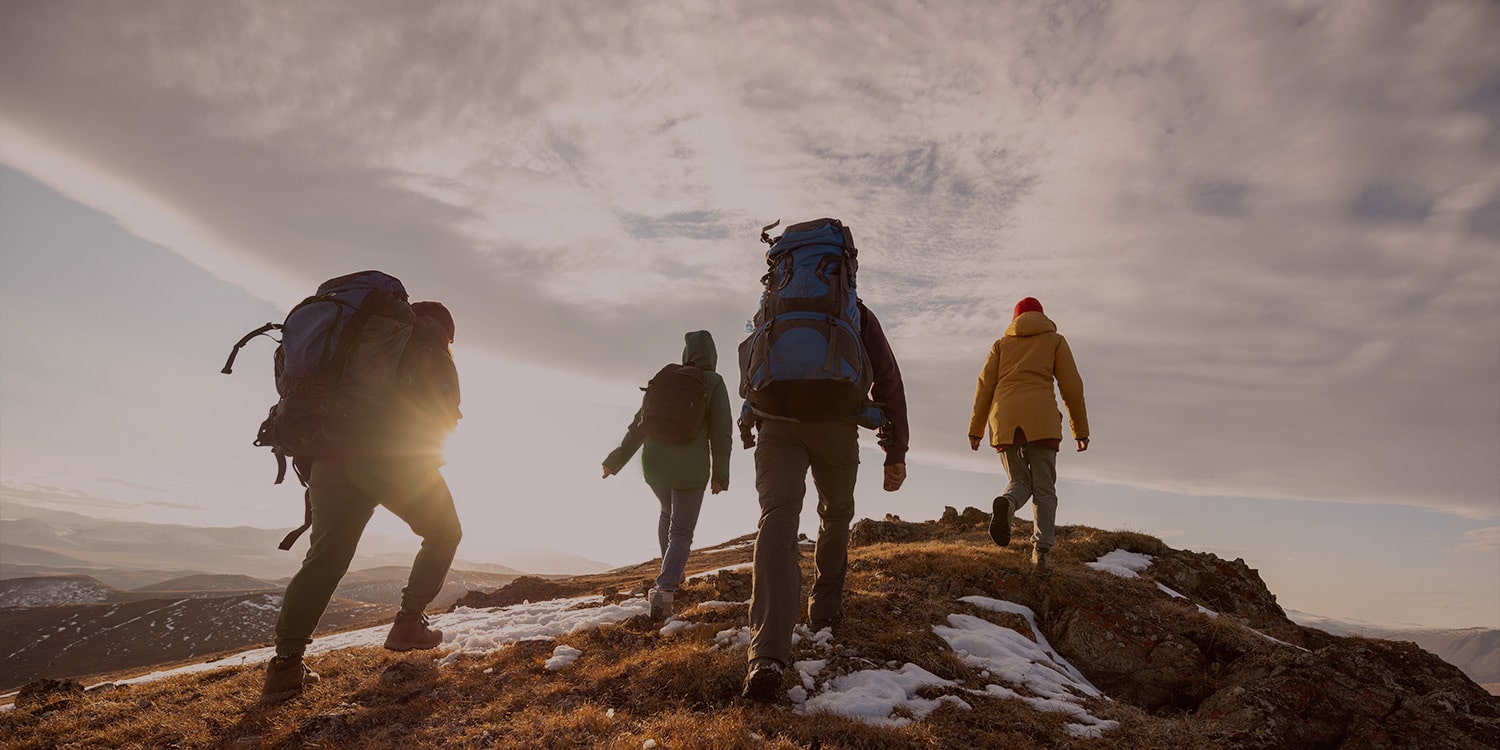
point(437, 313)
point(1029, 304)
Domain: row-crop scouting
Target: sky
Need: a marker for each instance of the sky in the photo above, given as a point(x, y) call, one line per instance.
point(1269, 230)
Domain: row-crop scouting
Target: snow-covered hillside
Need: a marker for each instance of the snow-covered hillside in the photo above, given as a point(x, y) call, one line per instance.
point(46, 591)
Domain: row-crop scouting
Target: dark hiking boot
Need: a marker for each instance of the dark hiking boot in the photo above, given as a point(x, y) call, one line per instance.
point(763, 681)
point(410, 631)
point(1000, 521)
point(286, 676)
point(1041, 563)
point(661, 604)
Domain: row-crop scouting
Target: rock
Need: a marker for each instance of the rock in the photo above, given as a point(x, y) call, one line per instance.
point(1229, 588)
point(523, 589)
point(970, 518)
point(48, 694)
point(1132, 660)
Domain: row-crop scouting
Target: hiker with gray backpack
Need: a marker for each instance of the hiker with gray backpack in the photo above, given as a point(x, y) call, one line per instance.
point(368, 395)
point(686, 427)
point(815, 368)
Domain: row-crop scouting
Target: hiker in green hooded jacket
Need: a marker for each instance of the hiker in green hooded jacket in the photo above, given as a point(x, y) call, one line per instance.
point(679, 472)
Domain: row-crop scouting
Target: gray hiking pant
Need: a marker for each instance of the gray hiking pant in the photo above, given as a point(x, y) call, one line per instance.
point(344, 496)
point(1032, 470)
point(784, 452)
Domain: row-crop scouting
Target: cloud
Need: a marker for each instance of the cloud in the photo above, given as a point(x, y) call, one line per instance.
point(1266, 228)
point(1485, 541)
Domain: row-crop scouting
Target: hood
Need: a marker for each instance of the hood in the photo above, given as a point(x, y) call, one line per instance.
point(1030, 324)
point(699, 350)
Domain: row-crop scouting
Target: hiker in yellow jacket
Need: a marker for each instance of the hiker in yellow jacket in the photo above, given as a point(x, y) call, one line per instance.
point(1015, 398)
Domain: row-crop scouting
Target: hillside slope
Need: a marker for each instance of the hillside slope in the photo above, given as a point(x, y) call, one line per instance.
point(947, 642)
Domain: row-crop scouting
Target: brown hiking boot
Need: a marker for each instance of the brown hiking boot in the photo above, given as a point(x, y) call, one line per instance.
point(286, 676)
point(410, 631)
point(1041, 562)
point(661, 604)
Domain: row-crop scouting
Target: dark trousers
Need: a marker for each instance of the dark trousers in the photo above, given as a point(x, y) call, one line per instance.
point(784, 453)
point(344, 496)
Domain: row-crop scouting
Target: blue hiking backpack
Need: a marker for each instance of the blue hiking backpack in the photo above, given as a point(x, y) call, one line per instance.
point(336, 367)
point(804, 358)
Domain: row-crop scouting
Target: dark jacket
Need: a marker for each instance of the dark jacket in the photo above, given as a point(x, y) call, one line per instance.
point(887, 389)
point(691, 465)
point(425, 409)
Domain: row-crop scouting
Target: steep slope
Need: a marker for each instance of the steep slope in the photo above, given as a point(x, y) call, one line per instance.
point(947, 642)
point(43, 591)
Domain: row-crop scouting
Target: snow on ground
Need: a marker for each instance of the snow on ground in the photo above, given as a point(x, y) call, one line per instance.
point(1005, 656)
point(1169, 592)
point(465, 631)
point(1123, 564)
point(873, 695)
point(725, 569)
point(747, 544)
point(562, 656)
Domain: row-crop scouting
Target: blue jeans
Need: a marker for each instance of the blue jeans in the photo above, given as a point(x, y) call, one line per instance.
point(674, 530)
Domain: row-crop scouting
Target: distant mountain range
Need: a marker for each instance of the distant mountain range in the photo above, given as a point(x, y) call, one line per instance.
point(1474, 650)
point(131, 555)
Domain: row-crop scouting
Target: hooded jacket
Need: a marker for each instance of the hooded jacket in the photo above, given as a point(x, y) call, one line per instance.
point(1015, 386)
point(691, 465)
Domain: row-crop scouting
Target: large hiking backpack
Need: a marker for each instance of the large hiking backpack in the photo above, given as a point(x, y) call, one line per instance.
point(804, 358)
point(336, 365)
point(675, 404)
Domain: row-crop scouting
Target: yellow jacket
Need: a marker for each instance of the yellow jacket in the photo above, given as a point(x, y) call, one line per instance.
point(1015, 386)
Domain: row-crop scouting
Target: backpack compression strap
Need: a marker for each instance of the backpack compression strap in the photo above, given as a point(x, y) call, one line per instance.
point(302, 476)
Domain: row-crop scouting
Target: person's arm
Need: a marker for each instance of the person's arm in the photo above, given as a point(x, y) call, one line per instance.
point(720, 436)
point(628, 446)
point(1070, 383)
point(984, 397)
point(889, 391)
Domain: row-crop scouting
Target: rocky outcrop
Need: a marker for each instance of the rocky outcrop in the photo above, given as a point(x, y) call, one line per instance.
point(523, 589)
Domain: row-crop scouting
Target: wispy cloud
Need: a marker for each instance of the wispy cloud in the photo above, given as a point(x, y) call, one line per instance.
point(1268, 228)
point(1485, 541)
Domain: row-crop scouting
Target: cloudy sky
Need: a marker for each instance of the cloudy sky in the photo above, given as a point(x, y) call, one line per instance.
point(1270, 231)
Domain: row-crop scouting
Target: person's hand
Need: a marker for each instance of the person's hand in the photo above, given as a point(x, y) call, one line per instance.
point(716, 488)
point(1083, 444)
point(607, 472)
point(973, 443)
point(895, 475)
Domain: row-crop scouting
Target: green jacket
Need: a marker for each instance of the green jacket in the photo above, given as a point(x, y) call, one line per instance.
point(691, 465)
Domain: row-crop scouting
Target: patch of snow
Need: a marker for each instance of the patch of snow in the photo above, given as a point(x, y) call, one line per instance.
point(871, 696)
point(734, 638)
point(1121, 563)
point(1005, 655)
point(562, 656)
point(675, 625)
point(716, 604)
point(465, 631)
point(725, 569)
point(727, 547)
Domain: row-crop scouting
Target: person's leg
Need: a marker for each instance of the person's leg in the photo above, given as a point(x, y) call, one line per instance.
point(834, 449)
point(781, 463)
point(685, 506)
point(664, 520)
point(340, 511)
point(417, 494)
point(1020, 487)
point(1043, 468)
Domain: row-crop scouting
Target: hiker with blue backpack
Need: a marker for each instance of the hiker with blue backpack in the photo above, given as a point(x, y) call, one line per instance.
point(814, 369)
point(369, 394)
point(686, 427)
point(1014, 399)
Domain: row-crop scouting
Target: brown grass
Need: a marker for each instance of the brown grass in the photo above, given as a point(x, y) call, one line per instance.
point(675, 690)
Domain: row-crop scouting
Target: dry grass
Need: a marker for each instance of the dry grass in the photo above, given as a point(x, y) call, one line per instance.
point(632, 684)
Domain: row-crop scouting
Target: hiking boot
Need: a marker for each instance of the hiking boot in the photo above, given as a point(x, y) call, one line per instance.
point(1000, 521)
point(763, 681)
point(661, 604)
point(410, 631)
point(1040, 562)
point(286, 676)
